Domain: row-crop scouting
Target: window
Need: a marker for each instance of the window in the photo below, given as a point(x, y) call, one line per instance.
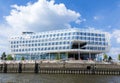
point(81, 33)
point(84, 33)
point(56, 43)
point(23, 50)
point(43, 36)
point(56, 48)
point(103, 39)
point(95, 34)
point(45, 44)
point(39, 49)
point(45, 48)
point(88, 34)
point(35, 49)
point(36, 36)
point(103, 35)
point(69, 33)
point(77, 33)
point(49, 48)
point(60, 42)
point(68, 42)
point(35, 44)
point(39, 44)
point(52, 43)
point(40, 36)
point(67, 47)
point(99, 35)
point(64, 47)
point(59, 47)
point(52, 48)
point(33, 37)
point(49, 44)
point(74, 33)
point(65, 34)
point(92, 34)
point(68, 37)
point(64, 37)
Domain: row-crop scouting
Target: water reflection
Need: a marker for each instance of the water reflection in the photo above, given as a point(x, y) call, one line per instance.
point(57, 78)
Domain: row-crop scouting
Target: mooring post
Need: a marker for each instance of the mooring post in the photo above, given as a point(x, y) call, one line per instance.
point(5, 68)
point(20, 68)
point(1, 67)
point(36, 69)
point(64, 64)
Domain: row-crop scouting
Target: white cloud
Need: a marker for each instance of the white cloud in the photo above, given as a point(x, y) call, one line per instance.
point(98, 17)
point(42, 15)
point(116, 35)
point(39, 16)
point(95, 17)
point(114, 51)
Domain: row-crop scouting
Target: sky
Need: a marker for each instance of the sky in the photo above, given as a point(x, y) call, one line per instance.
point(17, 16)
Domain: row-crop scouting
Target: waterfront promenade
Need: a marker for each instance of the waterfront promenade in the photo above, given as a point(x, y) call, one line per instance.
point(60, 67)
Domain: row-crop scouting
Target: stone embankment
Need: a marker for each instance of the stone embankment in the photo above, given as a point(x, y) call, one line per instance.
point(60, 67)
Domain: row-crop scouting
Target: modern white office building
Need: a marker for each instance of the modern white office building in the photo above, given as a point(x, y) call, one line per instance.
point(70, 43)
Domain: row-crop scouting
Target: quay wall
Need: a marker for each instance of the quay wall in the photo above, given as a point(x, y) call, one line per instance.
point(61, 68)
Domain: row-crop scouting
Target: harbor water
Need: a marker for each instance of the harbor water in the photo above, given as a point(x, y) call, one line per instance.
point(57, 78)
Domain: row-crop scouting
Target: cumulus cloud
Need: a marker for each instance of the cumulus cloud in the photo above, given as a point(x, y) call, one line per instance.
point(42, 15)
point(114, 51)
point(116, 35)
point(95, 17)
point(98, 17)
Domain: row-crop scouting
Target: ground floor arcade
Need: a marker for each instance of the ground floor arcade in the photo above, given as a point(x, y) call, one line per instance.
point(57, 56)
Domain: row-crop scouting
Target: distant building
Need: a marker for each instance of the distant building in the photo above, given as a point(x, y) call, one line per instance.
point(70, 43)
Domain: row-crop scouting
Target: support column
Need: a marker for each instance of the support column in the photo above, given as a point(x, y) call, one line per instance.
point(89, 55)
point(66, 55)
point(49, 56)
point(59, 55)
point(30, 56)
point(79, 51)
point(74, 56)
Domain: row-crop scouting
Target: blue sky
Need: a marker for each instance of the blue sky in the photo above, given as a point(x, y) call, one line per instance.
point(98, 14)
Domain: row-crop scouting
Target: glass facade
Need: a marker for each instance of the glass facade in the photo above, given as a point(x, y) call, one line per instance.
point(59, 41)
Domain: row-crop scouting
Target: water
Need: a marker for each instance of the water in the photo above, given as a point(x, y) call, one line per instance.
point(57, 78)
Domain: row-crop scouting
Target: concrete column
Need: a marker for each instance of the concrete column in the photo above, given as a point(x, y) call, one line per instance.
point(49, 56)
point(74, 56)
point(78, 55)
point(30, 56)
point(59, 55)
point(89, 55)
point(79, 51)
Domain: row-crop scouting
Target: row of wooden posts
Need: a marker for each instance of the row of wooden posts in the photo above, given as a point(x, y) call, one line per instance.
point(47, 70)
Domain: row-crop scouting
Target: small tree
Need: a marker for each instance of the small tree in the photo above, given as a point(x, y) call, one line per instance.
point(110, 58)
point(22, 58)
point(9, 57)
point(105, 56)
point(66, 55)
point(119, 57)
point(57, 57)
point(3, 57)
